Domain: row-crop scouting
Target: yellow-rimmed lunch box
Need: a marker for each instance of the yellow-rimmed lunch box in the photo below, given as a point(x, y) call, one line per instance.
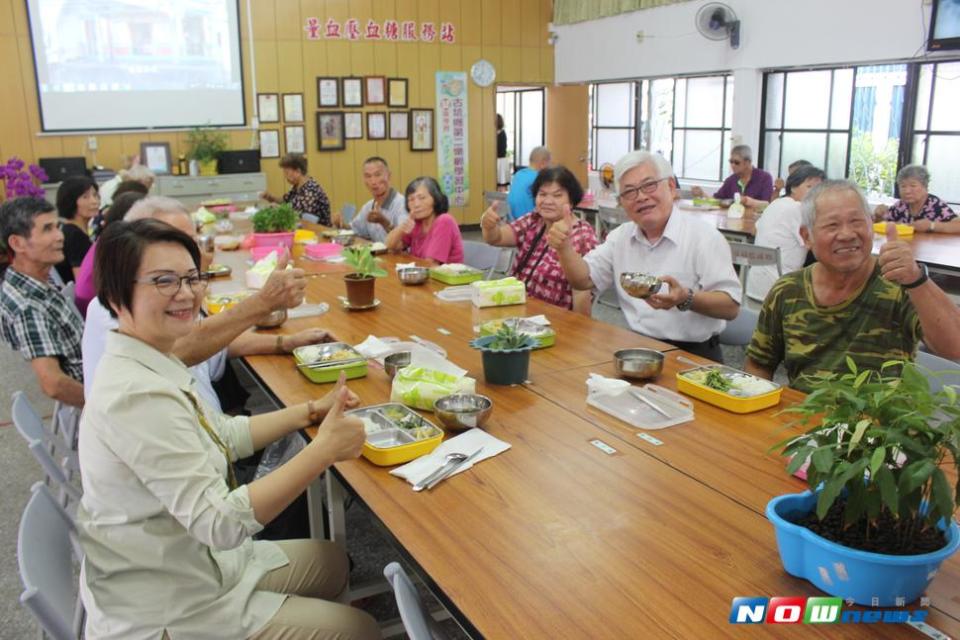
point(545, 335)
point(455, 273)
point(743, 393)
point(214, 303)
point(396, 433)
point(323, 362)
point(902, 229)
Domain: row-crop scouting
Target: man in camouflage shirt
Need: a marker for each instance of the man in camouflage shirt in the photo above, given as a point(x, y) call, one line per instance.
point(849, 302)
point(35, 318)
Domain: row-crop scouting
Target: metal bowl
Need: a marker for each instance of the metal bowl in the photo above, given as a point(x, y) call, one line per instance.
point(396, 361)
point(413, 275)
point(463, 410)
point(639, 285)
point(640, 364)
point(273, 319)
point(343, 239)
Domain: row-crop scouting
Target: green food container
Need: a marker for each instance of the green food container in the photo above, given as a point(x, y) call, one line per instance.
point(456, 274)
point(544, 335)
point(354, 364)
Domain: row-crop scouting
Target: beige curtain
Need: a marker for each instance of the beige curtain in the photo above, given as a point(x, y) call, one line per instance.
point(570, 11)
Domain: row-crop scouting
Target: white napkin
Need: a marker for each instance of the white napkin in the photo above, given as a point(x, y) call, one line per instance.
point(539, 320)
point(600, 385)
point(379, 348)
point(406, 265)
point(467, 442)
point(455, 293)
point(306, 310)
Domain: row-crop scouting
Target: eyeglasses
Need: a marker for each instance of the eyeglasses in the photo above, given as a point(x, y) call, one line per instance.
point(631, 194)
point(735, 163)
point(169, 284)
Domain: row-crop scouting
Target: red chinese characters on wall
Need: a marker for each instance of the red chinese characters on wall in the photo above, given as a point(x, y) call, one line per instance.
point(388, 31)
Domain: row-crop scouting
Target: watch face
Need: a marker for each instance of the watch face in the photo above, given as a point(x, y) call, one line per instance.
point(483, 73)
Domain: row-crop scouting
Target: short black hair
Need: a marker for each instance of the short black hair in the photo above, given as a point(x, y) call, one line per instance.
point(120, 252)
point(17, 217)
point(121, 204)
point(295, 161)
point(70, 191)
point(796, 164)
point(440, 202)
point(801, 175)
point(561, 176)
point(373, 159)
point(130, 186)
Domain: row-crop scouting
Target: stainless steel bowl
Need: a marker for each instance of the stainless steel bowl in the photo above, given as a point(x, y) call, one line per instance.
point(462, 411)
point(413, 275)
point(640, 364)
point(396, 361)
point(273, 320)
point(639, 285)
point(344, 239)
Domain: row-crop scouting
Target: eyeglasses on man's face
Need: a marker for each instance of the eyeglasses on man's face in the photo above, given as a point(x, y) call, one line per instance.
point(169, 284)
point(632, 193)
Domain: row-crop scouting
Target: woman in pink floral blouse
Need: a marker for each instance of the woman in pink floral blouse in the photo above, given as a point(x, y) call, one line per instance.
point(917, 206)
point(556, 190)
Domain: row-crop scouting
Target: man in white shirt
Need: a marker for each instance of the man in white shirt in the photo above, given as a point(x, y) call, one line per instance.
point(381, 213)
point(701, 290)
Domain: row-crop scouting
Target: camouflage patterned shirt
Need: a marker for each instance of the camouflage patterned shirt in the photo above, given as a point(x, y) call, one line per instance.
point(877, 324)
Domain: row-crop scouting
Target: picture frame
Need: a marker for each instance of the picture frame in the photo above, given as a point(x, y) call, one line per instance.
point(375, 89)
point(353, 125)
point(268, 107)
point(328, 92)
point(376, 125)
point(293, 107)
point(156, 157)
point(352, 92)
point(421, 130)
point(399, 122)
point(397, 92)
point(330, 134)
point(295, 139)
point(269, 143)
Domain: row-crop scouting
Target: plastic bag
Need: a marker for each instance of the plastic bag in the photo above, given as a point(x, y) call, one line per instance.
point(419, 387)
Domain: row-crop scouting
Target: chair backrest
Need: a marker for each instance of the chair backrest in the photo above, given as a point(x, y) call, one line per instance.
point(505, 263)
point(309, 217)
point(348, 210)
point(612, 216)
point(30, 426)
point(503, 209)
point(416, 619)
point(739, 331)
point(948, 370)
point(44, 550)
point(26, 419)
point(747, 255)
point(481, 255)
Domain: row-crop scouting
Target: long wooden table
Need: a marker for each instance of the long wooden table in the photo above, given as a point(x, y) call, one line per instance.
point(555, 538)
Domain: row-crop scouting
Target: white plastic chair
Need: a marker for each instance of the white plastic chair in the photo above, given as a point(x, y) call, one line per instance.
point(309, 217)
point(503, 209)
point(739, 331)
point(30, 425)
point(481, 255)
point(348, 211)
point(46, 546)
point(417, 621)
point(608, 219)
point(948, 369)
point(751, 255)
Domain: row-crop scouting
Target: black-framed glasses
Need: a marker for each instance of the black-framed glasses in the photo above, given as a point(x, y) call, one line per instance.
point(631, 194)
point(169, 284)
point(734, 162)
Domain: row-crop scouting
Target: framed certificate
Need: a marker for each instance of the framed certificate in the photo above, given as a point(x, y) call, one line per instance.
point(352, 92)
point(397, 90)
point(376, 125)
point(330, 131)
point(155, 156)
point(376, 89)
point(399, 125)
point(328, 92)
point(268, 107)
point(421, 130)
point(269, 143)
point(353, 125)
point(295, 139)
point(293, 107)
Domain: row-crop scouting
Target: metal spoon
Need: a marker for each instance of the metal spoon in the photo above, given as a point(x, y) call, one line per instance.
point(452, 459)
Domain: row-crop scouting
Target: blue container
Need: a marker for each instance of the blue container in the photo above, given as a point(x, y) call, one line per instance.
point(849, 573)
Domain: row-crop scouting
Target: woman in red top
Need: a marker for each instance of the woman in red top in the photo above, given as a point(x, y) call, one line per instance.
point(556, 190)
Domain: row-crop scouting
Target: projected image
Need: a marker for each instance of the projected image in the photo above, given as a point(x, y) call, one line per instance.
point(948, 19)
point(150, 52)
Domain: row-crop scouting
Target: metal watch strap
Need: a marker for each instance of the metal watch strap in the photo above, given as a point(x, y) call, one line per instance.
point(687, 302)
point(924, 276)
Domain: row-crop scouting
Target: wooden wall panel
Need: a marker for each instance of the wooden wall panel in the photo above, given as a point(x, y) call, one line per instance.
point(511, 34)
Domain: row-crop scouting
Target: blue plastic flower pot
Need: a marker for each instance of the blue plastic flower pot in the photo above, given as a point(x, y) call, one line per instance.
point(850, 573)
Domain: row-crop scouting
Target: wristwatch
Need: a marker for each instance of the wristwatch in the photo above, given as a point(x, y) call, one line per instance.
point(687, 302)
point(924, 276)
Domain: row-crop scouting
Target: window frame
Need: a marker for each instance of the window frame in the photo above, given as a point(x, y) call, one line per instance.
point(515, 93)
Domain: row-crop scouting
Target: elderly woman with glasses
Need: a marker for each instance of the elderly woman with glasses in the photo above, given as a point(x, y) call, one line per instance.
point(917, 206)
point(166, 531)
point(754, 185)
point(701, 290)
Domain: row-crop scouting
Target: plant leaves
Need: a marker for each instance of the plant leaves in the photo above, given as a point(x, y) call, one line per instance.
point(822, 458)
point(940, 497)
point(888, 489)
point(876, 459)
point(858, 433)
point(828, 495)
point(915, 474)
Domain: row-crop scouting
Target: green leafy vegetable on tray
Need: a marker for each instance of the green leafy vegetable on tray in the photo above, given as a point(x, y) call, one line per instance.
point(716, 380)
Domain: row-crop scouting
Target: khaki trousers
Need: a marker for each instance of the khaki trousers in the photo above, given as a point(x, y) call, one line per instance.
point(316, 574)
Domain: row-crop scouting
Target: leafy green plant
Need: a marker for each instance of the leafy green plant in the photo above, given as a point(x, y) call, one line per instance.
point(275, 219)
point(882, 440)
point(875, 170)
point(507, 338)
point(205, 144)
point(361, 260)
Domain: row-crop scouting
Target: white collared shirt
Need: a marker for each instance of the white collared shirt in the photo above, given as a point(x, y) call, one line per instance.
point(690, 250)
point(779, 226)
point(167, 544)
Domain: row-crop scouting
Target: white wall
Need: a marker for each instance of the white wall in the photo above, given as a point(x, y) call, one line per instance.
point(774, 33)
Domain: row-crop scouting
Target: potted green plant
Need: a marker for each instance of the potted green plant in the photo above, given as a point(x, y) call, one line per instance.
point(205, 145)
point(506, 355)
point(878, 520)
point(275, 226)
point(360, 282)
